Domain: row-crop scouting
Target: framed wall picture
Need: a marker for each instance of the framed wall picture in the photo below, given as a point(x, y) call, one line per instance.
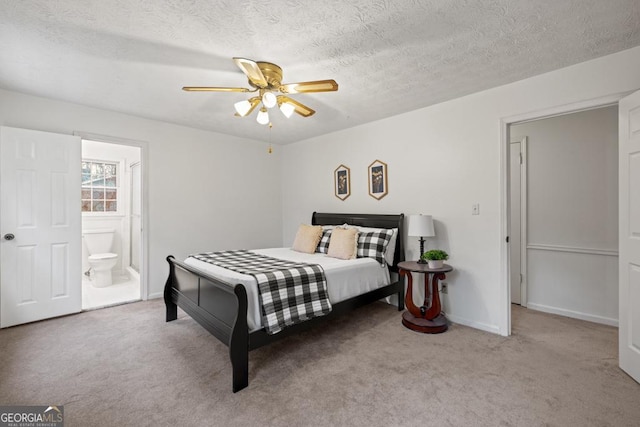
point(342, 182)
point(378, 180)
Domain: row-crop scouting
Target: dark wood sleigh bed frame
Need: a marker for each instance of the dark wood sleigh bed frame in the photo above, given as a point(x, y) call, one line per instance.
point(221, 307)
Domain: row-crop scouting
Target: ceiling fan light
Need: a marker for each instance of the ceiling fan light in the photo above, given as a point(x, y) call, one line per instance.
point(269, 100)
point(263, 116)
point(242, 107)
point(287, 109)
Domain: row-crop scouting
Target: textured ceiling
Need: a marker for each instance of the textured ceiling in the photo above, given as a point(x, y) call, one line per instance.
point(388, 57)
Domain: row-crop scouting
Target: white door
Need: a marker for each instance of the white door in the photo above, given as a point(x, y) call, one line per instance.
point(517, 217)
point(41, 270)
point(629, 229)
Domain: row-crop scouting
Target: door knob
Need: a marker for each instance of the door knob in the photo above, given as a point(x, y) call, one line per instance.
point(9, 236)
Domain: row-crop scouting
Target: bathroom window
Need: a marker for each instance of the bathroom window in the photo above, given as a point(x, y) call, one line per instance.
point(99, 186)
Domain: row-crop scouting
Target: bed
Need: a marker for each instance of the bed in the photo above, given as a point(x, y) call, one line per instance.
point(226, 307)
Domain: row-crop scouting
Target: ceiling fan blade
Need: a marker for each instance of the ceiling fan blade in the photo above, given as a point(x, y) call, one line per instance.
point(215, 89)
point(309, 87)
point(299, 108)
point(253, 72)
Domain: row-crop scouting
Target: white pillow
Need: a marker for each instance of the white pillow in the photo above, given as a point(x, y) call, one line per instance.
point(307, 238)
point(343, 243)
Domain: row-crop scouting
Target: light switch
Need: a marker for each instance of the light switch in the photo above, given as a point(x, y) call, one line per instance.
point(475, 209)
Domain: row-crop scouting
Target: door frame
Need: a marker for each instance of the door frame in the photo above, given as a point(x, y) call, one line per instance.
point(131, 166)
point(144, 161)
point(504, 318)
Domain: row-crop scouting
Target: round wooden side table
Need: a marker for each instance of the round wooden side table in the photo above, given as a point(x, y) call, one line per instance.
point(427, 318)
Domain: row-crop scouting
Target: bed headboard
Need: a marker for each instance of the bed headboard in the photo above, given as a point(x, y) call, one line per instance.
point(368, 220)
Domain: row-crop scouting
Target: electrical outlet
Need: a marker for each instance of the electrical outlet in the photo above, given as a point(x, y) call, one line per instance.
point(444, 289)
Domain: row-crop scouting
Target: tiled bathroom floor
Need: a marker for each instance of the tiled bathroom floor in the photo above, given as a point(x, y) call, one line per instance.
point(124, 289)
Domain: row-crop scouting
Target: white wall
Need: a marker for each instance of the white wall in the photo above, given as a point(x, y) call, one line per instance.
point(572, 213)
point(206, 191)
point(211, 191)
point(124, 156)
point(443, 159)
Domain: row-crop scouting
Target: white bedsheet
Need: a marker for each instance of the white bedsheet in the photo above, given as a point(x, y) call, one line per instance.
point(345, 278)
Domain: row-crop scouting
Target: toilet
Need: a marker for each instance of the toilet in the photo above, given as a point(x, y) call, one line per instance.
point(101, 260)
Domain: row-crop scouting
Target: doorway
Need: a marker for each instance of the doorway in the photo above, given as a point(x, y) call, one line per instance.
point(569, 218)
point(41, 250)
point(111, 223)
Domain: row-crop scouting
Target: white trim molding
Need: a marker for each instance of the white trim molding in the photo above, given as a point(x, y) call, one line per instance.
point(572, 249)
point(495, 329)
point(574, 314)
point(561, 110)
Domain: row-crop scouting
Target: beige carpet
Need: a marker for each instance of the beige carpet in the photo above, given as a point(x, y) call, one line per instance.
point(124, 366)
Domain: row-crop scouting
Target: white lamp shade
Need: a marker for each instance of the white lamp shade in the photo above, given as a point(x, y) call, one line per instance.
point(242, 107)
point(269, 100)
point(287, 109)
point(421, 226)
point(263, 116)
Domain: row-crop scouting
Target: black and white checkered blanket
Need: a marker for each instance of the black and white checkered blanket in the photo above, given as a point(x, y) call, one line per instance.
point(290, 292)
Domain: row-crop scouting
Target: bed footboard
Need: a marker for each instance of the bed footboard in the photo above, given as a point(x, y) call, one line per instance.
point(220, 307)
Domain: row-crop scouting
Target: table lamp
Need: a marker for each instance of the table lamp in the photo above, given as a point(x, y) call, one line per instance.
point(421, 226)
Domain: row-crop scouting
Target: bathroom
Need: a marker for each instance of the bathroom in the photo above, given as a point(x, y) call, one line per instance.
point(111, 224)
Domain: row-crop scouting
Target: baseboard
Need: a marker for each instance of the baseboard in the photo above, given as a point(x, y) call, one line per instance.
point(494, 329)
point(156, 295)
point(573, 314)
point(132, 273)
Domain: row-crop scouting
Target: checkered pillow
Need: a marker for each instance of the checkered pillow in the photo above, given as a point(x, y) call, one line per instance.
point(374, 244)
point(323, 246)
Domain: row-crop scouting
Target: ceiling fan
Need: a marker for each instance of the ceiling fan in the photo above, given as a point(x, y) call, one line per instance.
point(266, 78)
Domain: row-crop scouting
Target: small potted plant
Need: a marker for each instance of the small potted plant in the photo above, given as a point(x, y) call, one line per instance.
point(435, 257)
